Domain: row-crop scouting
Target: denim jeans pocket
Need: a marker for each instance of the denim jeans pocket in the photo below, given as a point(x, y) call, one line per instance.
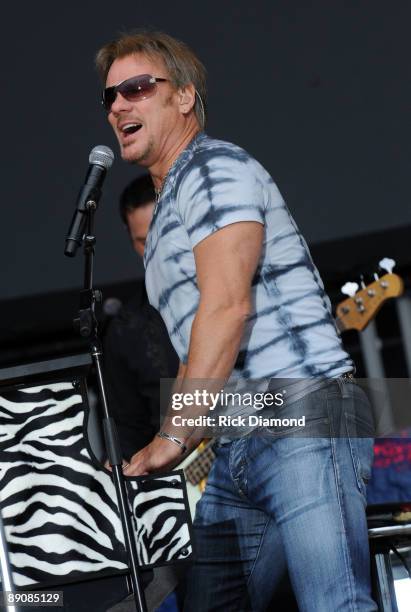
point(362, 450)
point(306, 417)
point(307, 427)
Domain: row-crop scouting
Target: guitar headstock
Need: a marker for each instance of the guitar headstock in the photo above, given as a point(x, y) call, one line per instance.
point(363, 304)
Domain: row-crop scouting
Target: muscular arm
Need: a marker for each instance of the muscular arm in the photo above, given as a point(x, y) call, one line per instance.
point(225, 263)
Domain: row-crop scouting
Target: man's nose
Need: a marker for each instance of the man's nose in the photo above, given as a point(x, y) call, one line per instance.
point(120, 104)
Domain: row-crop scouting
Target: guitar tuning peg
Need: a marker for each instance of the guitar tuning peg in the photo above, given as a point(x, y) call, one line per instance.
point(363, 285)
point(387, 264)
point(350, 289)
point(376, 277)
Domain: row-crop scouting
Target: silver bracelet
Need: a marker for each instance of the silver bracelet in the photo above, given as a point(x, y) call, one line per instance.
point(166, 436)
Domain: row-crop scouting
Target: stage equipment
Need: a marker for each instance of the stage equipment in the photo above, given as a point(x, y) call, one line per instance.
point(81, 232)
point(143, 536)
point(101, 159)
point(389, 531)
point(58, 503)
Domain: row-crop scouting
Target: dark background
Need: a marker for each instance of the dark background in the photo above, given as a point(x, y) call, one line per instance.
point(319, 92)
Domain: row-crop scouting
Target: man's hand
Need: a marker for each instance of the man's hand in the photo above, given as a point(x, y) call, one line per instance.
point(159, 455)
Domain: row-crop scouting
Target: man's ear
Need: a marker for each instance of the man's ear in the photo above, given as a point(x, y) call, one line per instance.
point(187, 98)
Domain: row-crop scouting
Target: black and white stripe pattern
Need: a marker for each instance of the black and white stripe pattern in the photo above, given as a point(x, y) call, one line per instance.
point(59, 507)
point(160, 510)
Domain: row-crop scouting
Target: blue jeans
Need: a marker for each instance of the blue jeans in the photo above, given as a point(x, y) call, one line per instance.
point(279, 501)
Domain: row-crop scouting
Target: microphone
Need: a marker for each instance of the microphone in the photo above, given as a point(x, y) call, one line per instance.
point(100, 159)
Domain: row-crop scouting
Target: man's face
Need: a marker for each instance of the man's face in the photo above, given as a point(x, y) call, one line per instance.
point(157, 115)
point(138, 223)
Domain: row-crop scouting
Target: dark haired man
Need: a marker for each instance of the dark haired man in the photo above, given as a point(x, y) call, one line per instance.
point(235, 284)
point(137, 349)
point(136, 210)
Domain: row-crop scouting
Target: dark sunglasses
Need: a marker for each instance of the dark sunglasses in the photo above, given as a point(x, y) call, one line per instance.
point(133, 89)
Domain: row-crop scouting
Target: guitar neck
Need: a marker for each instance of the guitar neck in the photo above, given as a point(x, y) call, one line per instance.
point(357, 311)
point(199, 467)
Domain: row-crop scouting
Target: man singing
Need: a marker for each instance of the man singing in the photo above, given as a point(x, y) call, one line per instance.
point(234, 282)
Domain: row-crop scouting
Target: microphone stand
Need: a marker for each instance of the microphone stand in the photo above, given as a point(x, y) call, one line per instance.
point(87, 324)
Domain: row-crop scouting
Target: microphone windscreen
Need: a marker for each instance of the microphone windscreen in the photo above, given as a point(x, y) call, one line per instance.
point(102, 156)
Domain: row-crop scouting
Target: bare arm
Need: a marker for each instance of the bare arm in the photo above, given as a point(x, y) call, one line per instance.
point(225, 262)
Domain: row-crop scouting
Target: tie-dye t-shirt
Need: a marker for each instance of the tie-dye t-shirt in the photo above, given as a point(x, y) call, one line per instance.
point(290, 333)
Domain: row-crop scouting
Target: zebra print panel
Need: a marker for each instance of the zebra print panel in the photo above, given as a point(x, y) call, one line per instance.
point(59, 506)
point(159, 507)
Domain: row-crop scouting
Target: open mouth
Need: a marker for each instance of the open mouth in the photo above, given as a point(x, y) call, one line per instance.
point(130, 128)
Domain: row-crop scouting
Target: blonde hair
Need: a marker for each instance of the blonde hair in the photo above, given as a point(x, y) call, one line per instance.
point(182, 65)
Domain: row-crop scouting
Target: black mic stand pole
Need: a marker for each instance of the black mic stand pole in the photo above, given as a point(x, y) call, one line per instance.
point(88, 328)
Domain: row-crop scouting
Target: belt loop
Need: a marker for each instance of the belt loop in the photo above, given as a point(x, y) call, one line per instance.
point(343, 388)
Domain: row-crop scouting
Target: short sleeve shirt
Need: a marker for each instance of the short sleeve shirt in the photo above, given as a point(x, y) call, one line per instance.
point(290, 332)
